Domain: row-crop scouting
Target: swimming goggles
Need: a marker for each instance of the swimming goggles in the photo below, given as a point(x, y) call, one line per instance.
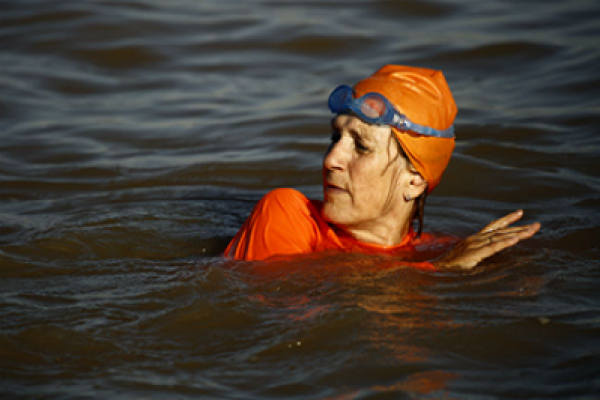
point(374, 108)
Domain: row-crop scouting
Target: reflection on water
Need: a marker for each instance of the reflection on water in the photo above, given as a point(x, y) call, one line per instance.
point(136, 137)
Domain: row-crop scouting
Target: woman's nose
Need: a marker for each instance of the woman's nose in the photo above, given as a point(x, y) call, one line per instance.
point(336, 157)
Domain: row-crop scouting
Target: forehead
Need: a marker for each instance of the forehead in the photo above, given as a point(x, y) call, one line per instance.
point(356, 126)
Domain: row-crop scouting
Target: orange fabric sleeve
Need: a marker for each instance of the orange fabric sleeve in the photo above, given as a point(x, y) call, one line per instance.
point(279, 224)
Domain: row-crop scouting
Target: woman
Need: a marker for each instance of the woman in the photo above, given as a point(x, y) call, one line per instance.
point(392, 139)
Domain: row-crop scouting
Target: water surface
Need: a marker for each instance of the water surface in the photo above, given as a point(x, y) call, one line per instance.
point(135, 137)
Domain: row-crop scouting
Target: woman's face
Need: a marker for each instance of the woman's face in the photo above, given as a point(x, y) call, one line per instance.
point(363, 173)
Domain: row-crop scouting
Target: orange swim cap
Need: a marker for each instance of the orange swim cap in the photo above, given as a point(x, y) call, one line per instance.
point(425, 98)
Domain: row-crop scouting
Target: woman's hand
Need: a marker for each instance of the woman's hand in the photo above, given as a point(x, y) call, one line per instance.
point(495, 237)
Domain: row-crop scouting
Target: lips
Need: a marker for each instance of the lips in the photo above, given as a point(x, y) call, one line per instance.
point(333, 188)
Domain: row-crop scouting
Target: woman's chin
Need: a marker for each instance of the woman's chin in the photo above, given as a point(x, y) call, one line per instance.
point(334, 213)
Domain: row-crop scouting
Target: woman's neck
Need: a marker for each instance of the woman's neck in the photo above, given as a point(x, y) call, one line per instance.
point(389, 232)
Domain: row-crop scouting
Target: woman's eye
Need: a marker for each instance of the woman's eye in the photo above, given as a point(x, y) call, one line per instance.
point(361, 147)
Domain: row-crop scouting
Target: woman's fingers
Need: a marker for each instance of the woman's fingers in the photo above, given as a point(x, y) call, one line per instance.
point(503, 222)
point(507, 230)
point(489, 245)
point(495, 237)
point(521, 232)
point(486, 245)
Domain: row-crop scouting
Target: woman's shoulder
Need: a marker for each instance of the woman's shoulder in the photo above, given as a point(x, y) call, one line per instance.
point(285, 203)
point(285, 199)
point(281, 223)
point(285, 194)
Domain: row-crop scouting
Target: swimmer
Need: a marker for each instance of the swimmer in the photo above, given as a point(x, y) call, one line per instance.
point(392, 138)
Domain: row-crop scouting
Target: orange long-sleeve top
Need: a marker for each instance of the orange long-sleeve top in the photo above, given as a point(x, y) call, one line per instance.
point(285, 222)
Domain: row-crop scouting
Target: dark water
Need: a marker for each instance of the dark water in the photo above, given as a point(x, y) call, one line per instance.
point(135, 136)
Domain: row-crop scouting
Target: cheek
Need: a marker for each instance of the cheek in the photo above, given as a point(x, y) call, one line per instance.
point(371, 186)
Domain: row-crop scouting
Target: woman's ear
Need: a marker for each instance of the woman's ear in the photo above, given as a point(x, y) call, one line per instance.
point(416, 185)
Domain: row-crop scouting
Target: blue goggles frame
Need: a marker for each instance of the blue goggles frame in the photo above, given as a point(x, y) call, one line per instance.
point(374, 108)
